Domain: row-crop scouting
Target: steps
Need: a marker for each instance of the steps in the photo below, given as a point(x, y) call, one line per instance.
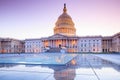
point(54, 50)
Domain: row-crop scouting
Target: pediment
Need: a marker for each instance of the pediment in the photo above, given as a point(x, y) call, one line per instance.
point(58, 36)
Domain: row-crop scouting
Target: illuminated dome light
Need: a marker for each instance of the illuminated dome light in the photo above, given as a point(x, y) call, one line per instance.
point(64, 24)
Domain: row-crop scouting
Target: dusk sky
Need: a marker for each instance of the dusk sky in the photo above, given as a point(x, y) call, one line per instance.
point(23, 19)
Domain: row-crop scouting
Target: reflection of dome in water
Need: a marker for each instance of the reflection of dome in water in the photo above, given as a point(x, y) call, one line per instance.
point(63, 72)
point(68, 74)
point(64, 24)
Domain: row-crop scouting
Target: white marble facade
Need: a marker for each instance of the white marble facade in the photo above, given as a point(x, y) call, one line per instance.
point(116, 42)
point(9, 45)
point(33, 45)
point(90, 44)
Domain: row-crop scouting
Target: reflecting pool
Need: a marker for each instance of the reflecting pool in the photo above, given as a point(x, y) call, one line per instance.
point(77, 67)
point(43, 59)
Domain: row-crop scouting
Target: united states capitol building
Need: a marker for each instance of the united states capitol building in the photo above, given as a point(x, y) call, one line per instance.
point(64, 39)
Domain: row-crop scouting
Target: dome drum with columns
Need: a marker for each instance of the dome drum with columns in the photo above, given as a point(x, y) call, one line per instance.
point(64, 24)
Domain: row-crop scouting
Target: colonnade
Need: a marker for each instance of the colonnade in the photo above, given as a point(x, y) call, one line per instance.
point(68, 43)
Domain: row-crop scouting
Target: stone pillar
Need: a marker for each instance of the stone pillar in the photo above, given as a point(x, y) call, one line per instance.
point(51, 44)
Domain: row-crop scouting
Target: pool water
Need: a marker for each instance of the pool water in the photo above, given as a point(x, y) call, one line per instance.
point(43, 59)
point(77, 67)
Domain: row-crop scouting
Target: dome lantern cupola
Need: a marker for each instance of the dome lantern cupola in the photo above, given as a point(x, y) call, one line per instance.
point(64, 9)
point(64, 24)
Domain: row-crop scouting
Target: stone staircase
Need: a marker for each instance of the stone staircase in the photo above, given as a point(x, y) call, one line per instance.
point(54, 50)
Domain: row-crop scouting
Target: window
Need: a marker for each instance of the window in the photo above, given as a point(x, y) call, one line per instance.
point(84, 45)
point(81, 49)
point(93, 45)
point(89, 50)
point(81, 45)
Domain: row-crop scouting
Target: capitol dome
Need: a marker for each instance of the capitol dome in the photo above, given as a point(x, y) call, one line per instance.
point(64, 24)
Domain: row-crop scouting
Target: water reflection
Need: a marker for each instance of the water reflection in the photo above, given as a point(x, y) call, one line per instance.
point(68, 74)
point(48, 58)
point(71, 69)
point(63, 73)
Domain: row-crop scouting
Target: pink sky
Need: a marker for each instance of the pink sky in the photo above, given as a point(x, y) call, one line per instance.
point(36, 18)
